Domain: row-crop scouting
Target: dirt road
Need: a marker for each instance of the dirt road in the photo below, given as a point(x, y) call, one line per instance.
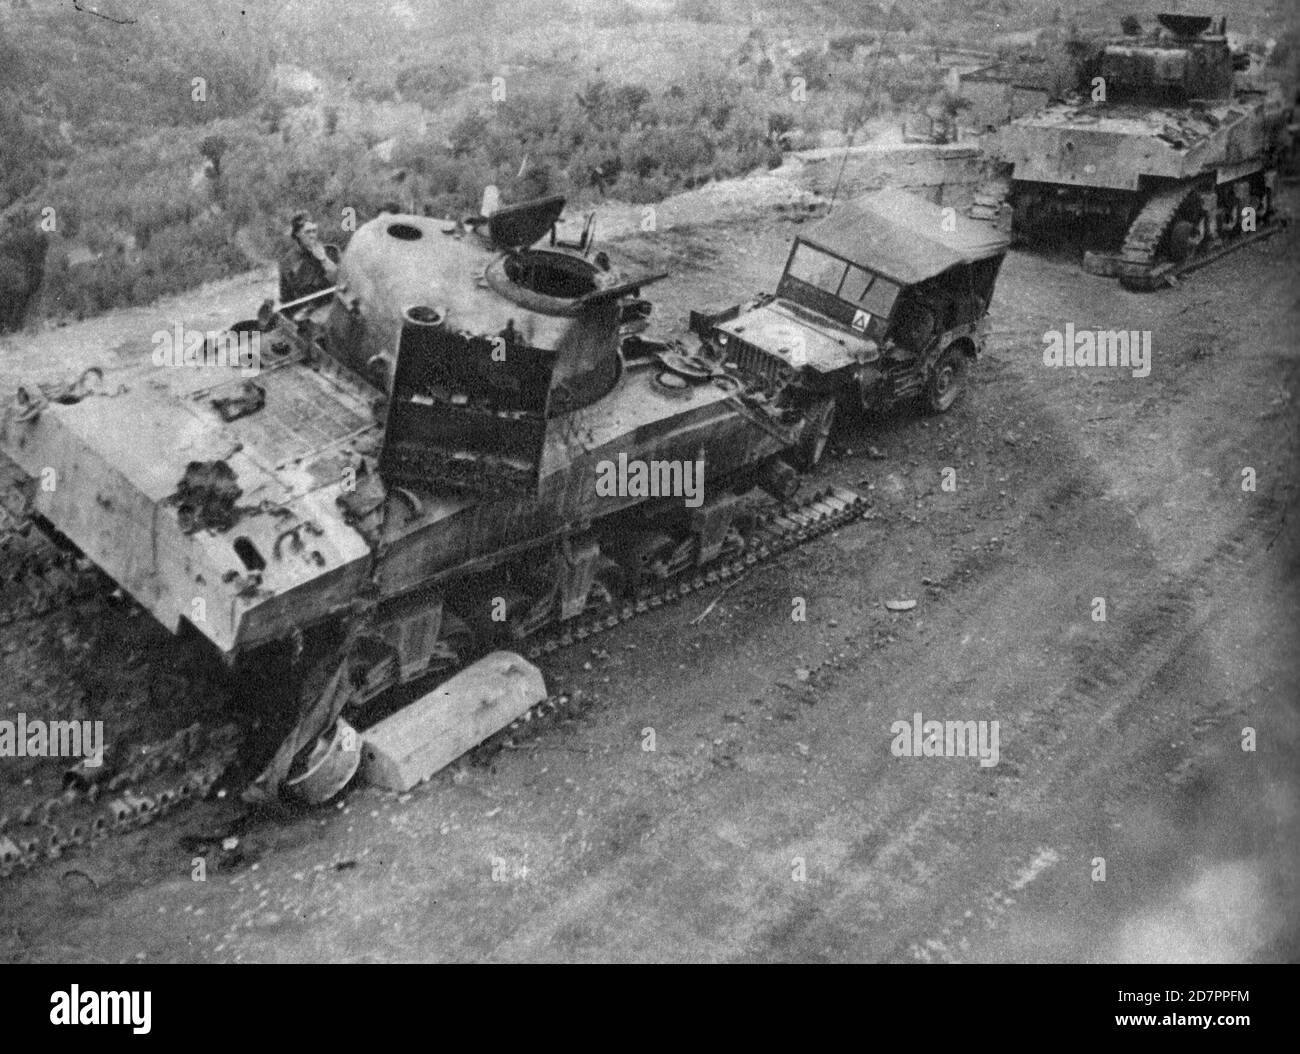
point(1123, 819)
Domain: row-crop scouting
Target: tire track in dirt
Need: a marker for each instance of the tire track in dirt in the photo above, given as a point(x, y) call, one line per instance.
point(1159, 629)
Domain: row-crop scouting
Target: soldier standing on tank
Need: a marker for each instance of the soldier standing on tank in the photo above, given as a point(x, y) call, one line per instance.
point(307, 268)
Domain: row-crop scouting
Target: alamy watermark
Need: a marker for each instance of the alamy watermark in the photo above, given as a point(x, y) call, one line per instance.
point(75, 1007)
point(945, 739)
point(53, 739)
point(194, 348)
point(633, 478)
point(1127, 349)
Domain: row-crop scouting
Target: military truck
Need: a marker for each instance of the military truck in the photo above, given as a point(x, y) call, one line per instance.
point(884, 302)
point(1162, 149)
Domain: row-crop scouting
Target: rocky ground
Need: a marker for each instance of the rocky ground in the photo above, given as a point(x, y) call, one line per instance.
point(771, 821)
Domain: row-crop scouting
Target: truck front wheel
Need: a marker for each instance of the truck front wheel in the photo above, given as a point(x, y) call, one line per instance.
point(946, 382)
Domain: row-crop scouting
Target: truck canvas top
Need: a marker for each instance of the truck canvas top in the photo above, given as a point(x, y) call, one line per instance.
point(904, 237)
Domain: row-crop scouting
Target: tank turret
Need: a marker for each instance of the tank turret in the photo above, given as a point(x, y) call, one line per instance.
point(478, 337)
point(1187, 57)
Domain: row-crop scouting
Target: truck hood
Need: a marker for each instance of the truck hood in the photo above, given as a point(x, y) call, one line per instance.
point(791, 332)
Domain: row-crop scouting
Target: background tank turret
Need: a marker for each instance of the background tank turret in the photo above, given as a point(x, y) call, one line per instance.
point(1162, 151)
point(1187, 59)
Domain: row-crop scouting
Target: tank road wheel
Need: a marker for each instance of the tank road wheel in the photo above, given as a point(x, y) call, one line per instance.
point(328, 767)
point(946, 382)
point(1187, 234)
point(318, 753)
point(1229, 217)
point(1181, 245)
point(1185, 238)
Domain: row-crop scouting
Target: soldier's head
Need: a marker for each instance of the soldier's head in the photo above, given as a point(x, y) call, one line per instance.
point(303, 229)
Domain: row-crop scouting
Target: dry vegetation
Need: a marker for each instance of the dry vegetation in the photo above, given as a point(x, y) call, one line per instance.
point(329, 106)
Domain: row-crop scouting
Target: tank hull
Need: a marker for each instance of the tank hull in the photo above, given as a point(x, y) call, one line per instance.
point(291, 558)
point(1128, 148)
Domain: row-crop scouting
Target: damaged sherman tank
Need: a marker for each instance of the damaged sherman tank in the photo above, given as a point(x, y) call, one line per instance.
point(1161, 146)
point(456, 446)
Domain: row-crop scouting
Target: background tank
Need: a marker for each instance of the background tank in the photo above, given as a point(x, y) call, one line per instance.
point(1162, 151)
point(448, 449)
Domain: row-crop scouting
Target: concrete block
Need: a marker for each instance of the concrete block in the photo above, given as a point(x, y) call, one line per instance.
point(414, 743)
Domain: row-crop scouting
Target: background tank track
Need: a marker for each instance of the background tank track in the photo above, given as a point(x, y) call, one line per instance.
point(160, 778)
point(1146, 234)
point(1139, 264)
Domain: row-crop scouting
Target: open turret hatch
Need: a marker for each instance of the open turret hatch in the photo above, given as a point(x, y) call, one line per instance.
point(1185, 25)
point(519, 226)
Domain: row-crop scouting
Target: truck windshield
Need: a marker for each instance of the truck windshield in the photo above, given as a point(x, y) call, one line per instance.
point(848, 282)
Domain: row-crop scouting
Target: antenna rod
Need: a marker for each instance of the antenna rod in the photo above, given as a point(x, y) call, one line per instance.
point(889, 18)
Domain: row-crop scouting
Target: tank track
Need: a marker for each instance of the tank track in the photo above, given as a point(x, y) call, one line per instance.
point(184, 768)
point(778, 531)
point(161, 778)
point(1145, 234)
point(1138, 264)
point(37, 576)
